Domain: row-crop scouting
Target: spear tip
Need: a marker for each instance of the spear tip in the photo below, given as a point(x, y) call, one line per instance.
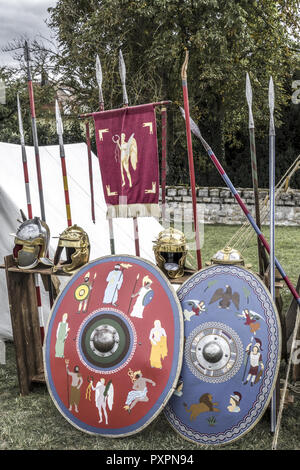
point(184, 66)
point(59, 126)
point(271, 106)
point(249, 100)
point(26, 51)
point(122, 68)
point(98, 71)
point(271, 95)
point(248, 89)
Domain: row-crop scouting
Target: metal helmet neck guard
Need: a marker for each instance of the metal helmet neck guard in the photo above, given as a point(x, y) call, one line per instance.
point(76, 243)
point(170, 251)
point(31, 244)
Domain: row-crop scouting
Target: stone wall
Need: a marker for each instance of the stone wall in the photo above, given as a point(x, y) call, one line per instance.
point(218, 206)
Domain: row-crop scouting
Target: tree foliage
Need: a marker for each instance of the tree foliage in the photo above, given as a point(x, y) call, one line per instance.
point(225, 39)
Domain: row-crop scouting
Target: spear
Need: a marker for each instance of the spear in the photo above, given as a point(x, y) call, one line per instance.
point(122, 72)
point(190, 156)
point(272, 187)
point(131, 297)
point(261, 253)
point(34, 132)
point(196, 131)
point(101, 108)
point(272, 224)
point(163, 160)
point(29, 213)
point(60, 131)
point(88, 138)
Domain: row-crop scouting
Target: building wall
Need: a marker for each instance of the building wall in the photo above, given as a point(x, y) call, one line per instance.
point(218, 206)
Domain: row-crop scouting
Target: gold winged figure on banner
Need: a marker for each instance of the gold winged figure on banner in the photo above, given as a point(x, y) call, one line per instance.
point(127, 152)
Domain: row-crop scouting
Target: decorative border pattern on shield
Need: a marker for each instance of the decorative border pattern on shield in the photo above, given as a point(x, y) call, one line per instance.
point(209, 297)
point(113, 346)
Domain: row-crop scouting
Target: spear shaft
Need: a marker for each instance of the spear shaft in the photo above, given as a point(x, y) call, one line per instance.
point(116, 110)
point(89, 151)
point(24, 160)
point(99, 78)
point(34, 132)
point(196, 131)
point(191, 157)
point(29, 212)
point(59, 129)
point(122, 71)
point(36, 150)
point(261, 253)
point(163, 160)
point(272, 227)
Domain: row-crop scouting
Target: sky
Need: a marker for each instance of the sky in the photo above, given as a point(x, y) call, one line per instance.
point(22, 17)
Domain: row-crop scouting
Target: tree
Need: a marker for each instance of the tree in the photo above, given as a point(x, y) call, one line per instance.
point(226, 38)
point(46, 88)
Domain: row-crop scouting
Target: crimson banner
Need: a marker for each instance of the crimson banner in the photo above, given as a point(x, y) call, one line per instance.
point(128, 158)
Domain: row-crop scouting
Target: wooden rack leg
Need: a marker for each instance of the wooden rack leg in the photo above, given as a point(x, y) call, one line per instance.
point(25, 325)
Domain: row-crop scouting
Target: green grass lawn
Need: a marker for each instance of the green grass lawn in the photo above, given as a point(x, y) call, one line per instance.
point(34, 423)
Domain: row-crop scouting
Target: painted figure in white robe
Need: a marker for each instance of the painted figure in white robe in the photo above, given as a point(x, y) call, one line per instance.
point(104, 395)
point(114, 282)
point(141, 302)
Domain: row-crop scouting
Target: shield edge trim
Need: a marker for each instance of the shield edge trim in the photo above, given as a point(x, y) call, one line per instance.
point(267, 402)
point(180, 346)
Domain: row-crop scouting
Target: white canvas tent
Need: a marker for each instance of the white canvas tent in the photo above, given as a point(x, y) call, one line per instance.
point(13, 198)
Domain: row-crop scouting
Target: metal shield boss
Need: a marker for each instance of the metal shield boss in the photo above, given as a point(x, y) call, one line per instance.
point(231, 355)
point(114, 345)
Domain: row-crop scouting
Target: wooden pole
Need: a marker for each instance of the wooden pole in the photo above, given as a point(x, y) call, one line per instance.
point(89, 152)
point(163, 160)
point(190, 157)
point(99, 78)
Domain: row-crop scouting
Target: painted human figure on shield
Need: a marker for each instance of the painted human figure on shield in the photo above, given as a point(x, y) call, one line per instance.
point(114, 283)
point(76, 382)
point(144, 297)
point(82, 293)
point(159, 347)
point(61, 336)
point(234, 402)
point(104, 396)
point(256, 363)
point(139, 392)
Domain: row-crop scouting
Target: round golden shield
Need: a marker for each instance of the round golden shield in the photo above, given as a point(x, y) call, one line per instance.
point(82, 292)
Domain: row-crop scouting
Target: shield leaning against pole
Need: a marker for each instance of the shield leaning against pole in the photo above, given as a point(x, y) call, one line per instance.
point(119, 361)
point(231, 355)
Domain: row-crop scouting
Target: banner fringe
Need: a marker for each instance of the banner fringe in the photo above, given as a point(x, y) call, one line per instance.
point(133, 210)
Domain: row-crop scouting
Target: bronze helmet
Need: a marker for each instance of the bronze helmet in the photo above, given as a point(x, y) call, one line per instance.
point(76, 243)
point(170, 251)
point(31, 244)
point(228, 255)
